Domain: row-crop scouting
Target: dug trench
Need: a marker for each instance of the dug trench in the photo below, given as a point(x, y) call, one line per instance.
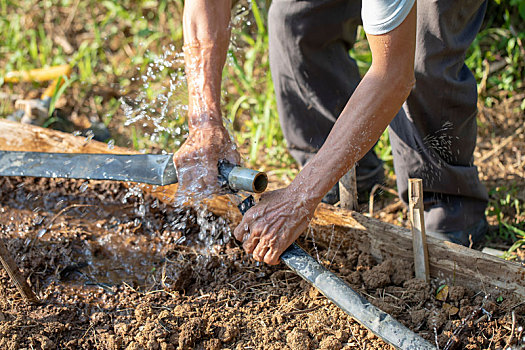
point(115, 269)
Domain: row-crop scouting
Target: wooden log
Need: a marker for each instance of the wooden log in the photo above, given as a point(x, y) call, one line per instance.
point(29, 138)
point(419, 237)
point(448, 262)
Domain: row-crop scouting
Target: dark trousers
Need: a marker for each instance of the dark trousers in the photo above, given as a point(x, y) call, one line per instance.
point(433, 136)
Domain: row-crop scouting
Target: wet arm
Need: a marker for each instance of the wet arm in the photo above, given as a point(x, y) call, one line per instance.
point(372, 106)
point(206, 37)
point(282, 215)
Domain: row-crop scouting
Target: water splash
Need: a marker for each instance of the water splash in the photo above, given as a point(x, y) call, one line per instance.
point(161, 102)
point(441, 145)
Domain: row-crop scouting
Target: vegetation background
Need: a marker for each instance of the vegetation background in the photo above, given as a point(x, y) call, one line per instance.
point(128, 76)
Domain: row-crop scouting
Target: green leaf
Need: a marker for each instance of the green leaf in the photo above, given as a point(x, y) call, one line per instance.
point(59, 90)
point(145, 32)
point(442, 292)
point(514, 229)
point(521, 9)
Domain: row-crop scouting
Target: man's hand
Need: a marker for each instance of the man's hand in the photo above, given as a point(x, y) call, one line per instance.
point(197, 161)
point(274, 223)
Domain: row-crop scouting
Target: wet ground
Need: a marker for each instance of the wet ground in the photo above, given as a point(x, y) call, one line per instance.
point(120, 271)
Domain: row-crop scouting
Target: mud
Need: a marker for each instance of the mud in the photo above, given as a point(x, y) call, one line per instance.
point(116, 271)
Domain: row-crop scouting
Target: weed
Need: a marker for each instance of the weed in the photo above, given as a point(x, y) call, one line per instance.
point(62, 85)
point(507, 210)
point(520, 242)
point(497, 55)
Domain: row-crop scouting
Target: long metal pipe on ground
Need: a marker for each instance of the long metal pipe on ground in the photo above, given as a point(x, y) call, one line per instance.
point(378, 322)
point(154, 169)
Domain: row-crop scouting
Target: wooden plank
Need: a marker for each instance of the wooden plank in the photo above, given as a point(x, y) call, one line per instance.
point(448, 262)
point(419, 237)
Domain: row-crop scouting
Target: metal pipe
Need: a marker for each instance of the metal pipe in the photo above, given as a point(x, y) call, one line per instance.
point(154, 169)
point(243, 179)
point(378, 322)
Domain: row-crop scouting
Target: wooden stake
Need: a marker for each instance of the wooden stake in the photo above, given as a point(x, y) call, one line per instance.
point(419, 239)
point(16, 276)
point(348, 190)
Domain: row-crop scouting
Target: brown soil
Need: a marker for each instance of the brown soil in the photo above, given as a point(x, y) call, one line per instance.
point(119, 271)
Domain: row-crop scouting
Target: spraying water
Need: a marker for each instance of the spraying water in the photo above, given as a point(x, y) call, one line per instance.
point(163, 112)
point(441, 143)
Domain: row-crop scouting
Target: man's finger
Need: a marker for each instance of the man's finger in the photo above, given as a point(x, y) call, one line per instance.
point(260, 257)
point(250, 244)
point(241, 230)
point(260, 250)
point(256, 231)
point(238, 233)
point(272, 257)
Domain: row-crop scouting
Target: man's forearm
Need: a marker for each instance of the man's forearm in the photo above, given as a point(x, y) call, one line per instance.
point(372, 106)
point(206, 38)
point(355, 132)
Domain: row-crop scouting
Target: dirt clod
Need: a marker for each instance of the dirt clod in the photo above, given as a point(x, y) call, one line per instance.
point(330, 343)
point(378, 276)
point(298, 340)
point(456, 293)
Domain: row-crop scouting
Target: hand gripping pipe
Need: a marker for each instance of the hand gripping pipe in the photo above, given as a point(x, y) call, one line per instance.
point(378, 322)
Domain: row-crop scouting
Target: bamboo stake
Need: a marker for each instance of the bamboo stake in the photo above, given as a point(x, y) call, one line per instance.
point(16, 276)
point(419, 239)
point(348, 190)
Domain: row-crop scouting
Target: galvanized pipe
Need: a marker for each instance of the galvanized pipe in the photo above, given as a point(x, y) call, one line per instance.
point(378, 322)
point(154, 169)
point(243, 179)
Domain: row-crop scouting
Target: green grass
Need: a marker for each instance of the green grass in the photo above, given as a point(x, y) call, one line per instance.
point(509, 212)
point(252, 110)
point(497, 56)
point(116, 42)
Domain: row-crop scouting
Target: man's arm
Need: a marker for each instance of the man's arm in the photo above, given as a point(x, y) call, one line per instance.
point(281, 216)
point(206, 38)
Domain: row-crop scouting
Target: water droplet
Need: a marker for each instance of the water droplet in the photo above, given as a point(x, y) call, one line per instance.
point(83, 188)
point(89, 135)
